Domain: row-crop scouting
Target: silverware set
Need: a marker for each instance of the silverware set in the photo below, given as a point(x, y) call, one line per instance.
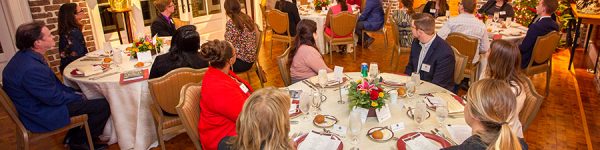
point(103, 76)
point(309, 84)
point(439, 133)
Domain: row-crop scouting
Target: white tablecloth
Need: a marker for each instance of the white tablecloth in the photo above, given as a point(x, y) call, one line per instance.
point(398, 111)
point(131, 123)
point(320, 20)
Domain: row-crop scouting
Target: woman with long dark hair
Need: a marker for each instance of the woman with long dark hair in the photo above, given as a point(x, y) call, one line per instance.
point(71, 44)
point(305, 61)
point(183, 53)
point(240, 31)
point(436, 8)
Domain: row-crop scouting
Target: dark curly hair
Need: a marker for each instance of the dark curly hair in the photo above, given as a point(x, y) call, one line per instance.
point(217, 53)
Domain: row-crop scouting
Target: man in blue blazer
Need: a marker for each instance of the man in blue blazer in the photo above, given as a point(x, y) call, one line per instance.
point(540, 27)
point(430, 55)
point(371, 19)
point(43, 103)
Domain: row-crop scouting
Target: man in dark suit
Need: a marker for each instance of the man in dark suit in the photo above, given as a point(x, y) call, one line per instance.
point(43, 103)
point(430, 56)
point(371, 19)
point(542, 26)
point(163, 24)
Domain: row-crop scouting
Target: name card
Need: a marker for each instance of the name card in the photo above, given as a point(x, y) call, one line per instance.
point(337, 73)
point(383, 114)
point(397, 127)
point(144, 56)
point(339, 129)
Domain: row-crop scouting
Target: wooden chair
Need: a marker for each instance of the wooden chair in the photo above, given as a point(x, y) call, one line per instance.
point(279, 24)
point(420, 8)
point(467, 46)
point(25, 137)
point(542, 55)
point(188, 110)
point(397, 45)
point(165, 93)
point(341, 24)
point(284, 69)
point(460, 64)
point(265, 25)
point(383, 30)
point(532, 105)
point(256, 66)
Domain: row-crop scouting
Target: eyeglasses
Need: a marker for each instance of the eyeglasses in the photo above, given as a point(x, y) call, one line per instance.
point(80, 11)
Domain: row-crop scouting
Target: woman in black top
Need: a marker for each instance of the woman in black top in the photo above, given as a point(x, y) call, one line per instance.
point(292, 11)
point(503, 8)
point(163, 24)
point(438, 6)
point(183, 53)
point(71, 44)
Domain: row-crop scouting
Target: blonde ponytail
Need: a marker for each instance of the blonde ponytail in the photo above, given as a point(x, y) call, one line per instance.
point(507, 139)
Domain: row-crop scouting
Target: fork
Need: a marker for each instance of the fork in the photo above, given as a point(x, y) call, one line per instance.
point(102, 76)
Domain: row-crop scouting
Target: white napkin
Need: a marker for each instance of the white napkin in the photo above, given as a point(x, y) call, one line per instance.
point(459, 133)
point(453, 105)
point(90, 70)
point(315, 141)
point(421, 143)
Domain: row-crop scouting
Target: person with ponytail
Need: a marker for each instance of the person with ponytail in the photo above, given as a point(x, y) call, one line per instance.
point(304, 58)
point(263, 124)
point(490, 105)
point(223, 94)
point(183, 53)
point(71, 44)
point(241, 32)
point(334, 10)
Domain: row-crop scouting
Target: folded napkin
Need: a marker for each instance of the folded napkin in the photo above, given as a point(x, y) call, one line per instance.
point(89, 70)
point(421, 143)
point(314, 141)
point(454, 106)
point(459, 133)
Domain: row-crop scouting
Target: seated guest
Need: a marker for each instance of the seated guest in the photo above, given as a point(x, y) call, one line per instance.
point(504, 65)
point(491, 105)
point(334, 10)
point(183, 53)
point(430, 56)
point(502, 7)
point(43, 103)
point(304, 58)
point(293, 15)
point(541, 27)
point(466, 23)
point(264, 122)
point(371, 19)
point(241, 32)
point(71, 45)
point(403, 20)
point(354, 2)
point(223, 94)
point(436, 8)
point(163, 24)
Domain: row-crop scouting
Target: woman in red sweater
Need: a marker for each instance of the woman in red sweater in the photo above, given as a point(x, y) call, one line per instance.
point(223, 94)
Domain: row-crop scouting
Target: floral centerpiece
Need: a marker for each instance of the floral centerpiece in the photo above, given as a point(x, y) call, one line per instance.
point(320, 3)
point(144, 44)
point(366, 95)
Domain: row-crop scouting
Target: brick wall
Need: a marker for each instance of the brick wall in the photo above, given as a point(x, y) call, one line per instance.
point(47, 11)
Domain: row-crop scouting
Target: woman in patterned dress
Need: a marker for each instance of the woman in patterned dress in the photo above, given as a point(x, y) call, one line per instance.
point(240, 31)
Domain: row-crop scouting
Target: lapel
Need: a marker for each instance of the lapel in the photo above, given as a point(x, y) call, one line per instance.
point(432, 47)
point(167, 22)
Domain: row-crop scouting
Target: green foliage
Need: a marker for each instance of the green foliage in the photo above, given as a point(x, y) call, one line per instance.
point(362, 97)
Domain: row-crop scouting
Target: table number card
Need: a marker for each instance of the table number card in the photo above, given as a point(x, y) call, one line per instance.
point(383, 114)
point(397, 127)
point(144, 56)
point(339, 129)
point(337, 73)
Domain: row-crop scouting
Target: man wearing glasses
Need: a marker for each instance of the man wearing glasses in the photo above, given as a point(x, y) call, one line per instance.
point(163, 25)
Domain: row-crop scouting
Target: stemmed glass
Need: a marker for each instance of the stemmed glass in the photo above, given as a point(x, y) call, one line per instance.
point(355, 126)
point(420, 113)
point(508, 21)
point(316, 102)
point(305, 102)
point(496, 17)
point(322, 77)
point(441, 112)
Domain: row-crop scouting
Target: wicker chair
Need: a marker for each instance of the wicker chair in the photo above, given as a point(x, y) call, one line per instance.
point(383, 30)
point(460, 64)
point(256, 66)
point(533, 102)
point(467, 46)
point(165, 93)
point(341, 24)
point(279, 24)
point(189, 111)
point(25, 137)
point(542, 55)
point(284, 69)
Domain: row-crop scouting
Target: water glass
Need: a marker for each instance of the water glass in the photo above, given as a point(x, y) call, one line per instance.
point(373, 71)
point(420, 113)
point(411, 89)
point(441, 111)
point(305, 101)
point(496, 16)
point(107, 48)
point(508, 21)
point(316, 102)
point(355, 126)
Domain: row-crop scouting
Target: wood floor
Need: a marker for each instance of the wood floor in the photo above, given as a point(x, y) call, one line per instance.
point(558, 125)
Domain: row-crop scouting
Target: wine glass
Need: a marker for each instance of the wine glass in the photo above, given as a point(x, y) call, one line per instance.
point(411, 89)
point(420, 113)
point(496, 16)
point(441, 111)
point(416, 78)
point(355, 126)
point(508, 21)
point(322, 77)
point(373, 71)
point(316, 102)
point(305, 101)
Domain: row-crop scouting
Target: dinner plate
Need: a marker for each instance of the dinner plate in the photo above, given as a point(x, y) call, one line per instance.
point(439, 140)
point(333, 136)
point(329, 122)
point(387, 134)
point(331, 83)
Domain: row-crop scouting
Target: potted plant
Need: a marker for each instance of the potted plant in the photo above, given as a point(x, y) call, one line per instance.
point(145, 44)
point(367, 95)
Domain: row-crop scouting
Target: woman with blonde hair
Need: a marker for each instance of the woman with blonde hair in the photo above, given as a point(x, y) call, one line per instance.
point(264, 122)
point(490, 104)
point(504, 62)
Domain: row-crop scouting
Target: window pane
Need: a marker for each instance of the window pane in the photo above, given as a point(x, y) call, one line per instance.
point(214, 7)
point(108, 25)
point(199, 8)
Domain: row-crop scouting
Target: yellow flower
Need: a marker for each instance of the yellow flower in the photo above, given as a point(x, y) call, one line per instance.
point(374, 104)
point(150, 47)
point(359, 81)
point(146, 43)
point(363, 92)
point(135, 49)
point(381, 94)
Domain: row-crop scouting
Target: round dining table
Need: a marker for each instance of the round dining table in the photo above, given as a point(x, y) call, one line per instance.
point(318, 17)
point(301, 125)
point(131, 123)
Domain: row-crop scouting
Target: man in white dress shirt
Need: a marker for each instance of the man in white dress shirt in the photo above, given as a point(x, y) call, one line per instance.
point(466, 23)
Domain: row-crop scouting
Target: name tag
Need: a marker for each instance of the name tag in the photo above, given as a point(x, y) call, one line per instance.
point(425, 67)
point(502, 12)
point(244, 88)
point(432, 10)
